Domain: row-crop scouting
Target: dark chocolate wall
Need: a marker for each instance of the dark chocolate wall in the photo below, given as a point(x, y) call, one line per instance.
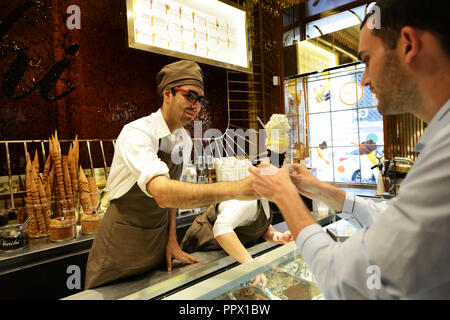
point(86, 81)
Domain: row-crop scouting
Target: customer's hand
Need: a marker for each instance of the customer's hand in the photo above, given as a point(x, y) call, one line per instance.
point(245, 189)
point(305, 182)
point(269, 181)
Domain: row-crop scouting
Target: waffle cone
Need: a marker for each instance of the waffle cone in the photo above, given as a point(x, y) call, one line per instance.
point(33, 228)
point(83, 189)
point(38, 209)
point(93, 190)
point(36, 161)
point(73, 173)
point(76, 152)
point(67, 181)
point(47, 167)
point(45, 204)
point(86, 204)
point(59, 173)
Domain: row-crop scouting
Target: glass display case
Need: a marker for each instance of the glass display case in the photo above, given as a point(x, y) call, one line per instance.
point(288, 278)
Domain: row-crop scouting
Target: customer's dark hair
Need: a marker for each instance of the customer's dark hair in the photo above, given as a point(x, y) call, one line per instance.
point(429, 15)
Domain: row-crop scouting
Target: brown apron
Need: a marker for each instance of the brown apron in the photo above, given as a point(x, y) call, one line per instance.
point(200, 236)
point(132, 237)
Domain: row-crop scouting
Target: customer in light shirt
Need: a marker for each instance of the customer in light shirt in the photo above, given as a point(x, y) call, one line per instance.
point(402, 251)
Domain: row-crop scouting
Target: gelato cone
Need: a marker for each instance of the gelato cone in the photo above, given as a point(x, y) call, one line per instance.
point(277, 139)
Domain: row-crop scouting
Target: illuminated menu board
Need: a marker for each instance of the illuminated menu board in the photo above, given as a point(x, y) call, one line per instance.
point(209, 31)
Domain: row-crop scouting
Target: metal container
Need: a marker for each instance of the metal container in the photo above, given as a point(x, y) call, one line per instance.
point(13, 237)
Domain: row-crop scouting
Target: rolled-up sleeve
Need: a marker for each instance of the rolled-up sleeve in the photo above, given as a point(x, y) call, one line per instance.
point(139, 153)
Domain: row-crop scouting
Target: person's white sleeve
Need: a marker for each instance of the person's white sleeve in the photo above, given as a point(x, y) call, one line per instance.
point(139, 152)
point(360, 211)
point(232, 214)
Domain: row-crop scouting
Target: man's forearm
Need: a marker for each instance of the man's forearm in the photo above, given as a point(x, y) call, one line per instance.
point(294, 211)
point(331, 196)
point(176, 194)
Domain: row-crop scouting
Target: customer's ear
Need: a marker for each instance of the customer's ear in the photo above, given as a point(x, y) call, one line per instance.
point(410, 44)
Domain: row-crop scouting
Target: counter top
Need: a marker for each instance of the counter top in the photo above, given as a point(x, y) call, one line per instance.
point(158, 283)
point(42, 249)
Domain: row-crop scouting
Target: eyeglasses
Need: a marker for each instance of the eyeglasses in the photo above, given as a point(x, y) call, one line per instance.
point(192, 96)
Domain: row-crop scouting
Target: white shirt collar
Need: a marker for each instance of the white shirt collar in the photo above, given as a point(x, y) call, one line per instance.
point(440, 120)
point(162, 130)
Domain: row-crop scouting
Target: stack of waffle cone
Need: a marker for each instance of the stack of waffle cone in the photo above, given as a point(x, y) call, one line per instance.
point(59, 171)
point(93, 190)
point(83, 188)
point(72, 168)
point(46, 172)
point(33, 228)
point(38, 204)
point(59, 179)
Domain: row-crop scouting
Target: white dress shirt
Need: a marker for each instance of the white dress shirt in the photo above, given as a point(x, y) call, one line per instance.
point(136, 154)
point(408, 242)
point(237, 213)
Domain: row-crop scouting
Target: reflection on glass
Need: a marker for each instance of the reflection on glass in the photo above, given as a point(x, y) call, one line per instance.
point(345, 92)
point(347, 165)
point(354, 165)
point(287, 280)
point(371, 126)
point(345, 128)
point(322, 163)
point(342, 115)
point(319, 96)
point(368, 98)
point(319, 129)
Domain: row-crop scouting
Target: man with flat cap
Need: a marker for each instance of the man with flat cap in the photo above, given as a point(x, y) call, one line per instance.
point(138, 232)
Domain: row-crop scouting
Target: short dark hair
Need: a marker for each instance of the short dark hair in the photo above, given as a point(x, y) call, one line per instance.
point(429, 15)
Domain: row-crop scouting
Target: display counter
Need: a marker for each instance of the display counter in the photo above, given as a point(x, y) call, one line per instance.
point(159, 283)
point(287, 274)
point(217, 264)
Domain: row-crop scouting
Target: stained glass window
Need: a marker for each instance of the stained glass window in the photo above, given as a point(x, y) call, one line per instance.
point(343, 128)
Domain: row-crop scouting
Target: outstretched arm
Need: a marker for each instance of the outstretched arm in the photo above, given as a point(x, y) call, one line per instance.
point(176, 194)
point(234, 247)
point(275, 236)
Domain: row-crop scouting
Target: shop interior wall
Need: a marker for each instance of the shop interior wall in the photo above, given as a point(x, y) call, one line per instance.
point(85, 81)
